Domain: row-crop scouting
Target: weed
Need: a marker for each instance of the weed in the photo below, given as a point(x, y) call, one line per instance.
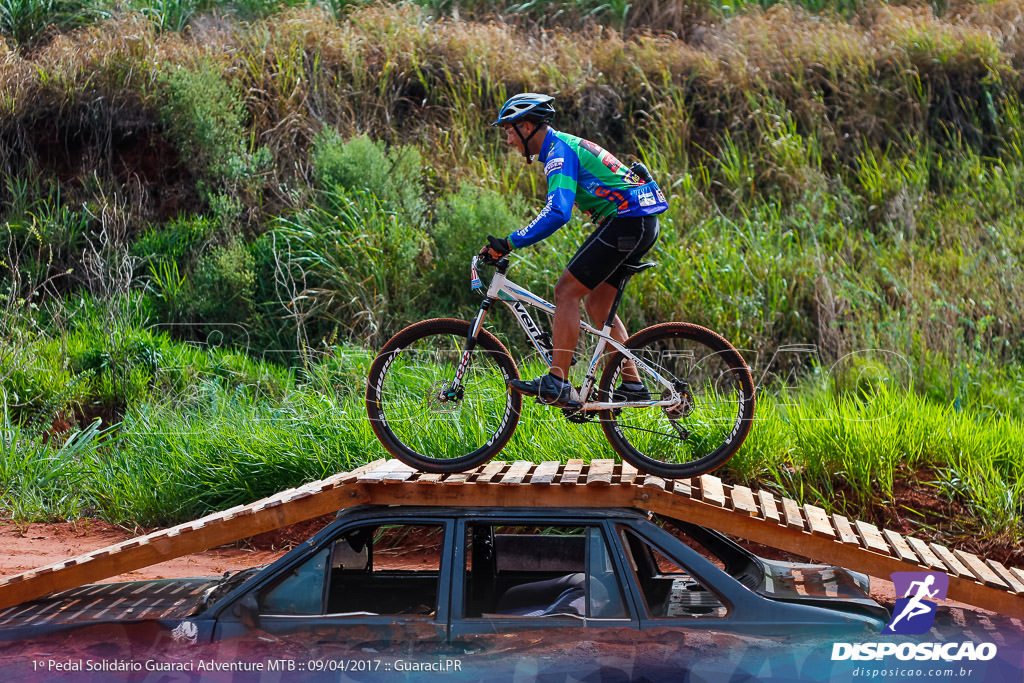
point(26, 21)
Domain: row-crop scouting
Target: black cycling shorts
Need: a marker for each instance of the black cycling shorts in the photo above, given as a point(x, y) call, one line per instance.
point(617, 241)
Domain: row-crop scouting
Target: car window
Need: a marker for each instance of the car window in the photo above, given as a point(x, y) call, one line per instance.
point(300, 591)
point(540, 571)
point(668, 589)
point(370, 570)
point(389, 569)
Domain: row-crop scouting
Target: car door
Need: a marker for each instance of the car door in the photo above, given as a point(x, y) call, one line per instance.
point(375, 584)
point(528, 591)
point(697, 619)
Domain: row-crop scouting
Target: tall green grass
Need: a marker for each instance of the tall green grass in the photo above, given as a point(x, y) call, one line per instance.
point(845, 202)
point(843, 442)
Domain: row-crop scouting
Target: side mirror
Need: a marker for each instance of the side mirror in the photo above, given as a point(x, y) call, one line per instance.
point(248, 611)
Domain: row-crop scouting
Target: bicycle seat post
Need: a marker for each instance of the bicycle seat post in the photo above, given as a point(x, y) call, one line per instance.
point(631, 270)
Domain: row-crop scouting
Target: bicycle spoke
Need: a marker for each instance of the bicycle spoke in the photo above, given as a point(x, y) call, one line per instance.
point(712, 394)
point(418, 413)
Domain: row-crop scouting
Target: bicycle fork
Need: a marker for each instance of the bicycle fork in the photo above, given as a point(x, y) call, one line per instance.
point(454, 391)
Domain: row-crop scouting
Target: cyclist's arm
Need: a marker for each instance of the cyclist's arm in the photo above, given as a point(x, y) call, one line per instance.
point(562, 169)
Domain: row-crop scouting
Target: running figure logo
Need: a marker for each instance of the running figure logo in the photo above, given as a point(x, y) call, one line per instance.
point(915, 611)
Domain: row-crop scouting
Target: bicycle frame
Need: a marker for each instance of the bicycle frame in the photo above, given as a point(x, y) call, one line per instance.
point(518, 299)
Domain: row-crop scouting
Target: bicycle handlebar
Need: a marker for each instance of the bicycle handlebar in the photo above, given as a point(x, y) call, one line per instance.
point(501, 265)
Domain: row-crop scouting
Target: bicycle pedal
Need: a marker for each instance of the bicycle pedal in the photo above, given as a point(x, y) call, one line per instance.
point(571, 405)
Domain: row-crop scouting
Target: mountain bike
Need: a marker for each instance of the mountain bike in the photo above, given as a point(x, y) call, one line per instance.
point(438, 400)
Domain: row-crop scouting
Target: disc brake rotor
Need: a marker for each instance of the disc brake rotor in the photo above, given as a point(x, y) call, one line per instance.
point(443, 399)
point(686, 404)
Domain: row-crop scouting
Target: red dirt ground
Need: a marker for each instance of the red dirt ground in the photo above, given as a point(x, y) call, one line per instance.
point(28, 546)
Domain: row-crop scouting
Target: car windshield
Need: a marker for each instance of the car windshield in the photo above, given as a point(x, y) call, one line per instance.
point(229, 582)
point(721, 551)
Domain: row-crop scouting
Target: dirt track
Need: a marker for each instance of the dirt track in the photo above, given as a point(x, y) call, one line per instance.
point(27, 546)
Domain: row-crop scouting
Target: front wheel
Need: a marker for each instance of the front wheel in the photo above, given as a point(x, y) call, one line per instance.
point(422, 417)
point(712, 394)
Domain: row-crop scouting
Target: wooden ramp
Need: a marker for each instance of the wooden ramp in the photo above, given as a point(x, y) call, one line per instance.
point(756, 516)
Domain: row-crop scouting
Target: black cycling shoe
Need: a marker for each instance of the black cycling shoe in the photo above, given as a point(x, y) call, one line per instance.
point(548, 390)
point(623, 395)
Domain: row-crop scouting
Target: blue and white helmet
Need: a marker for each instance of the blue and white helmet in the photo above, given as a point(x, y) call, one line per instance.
point(527, 104)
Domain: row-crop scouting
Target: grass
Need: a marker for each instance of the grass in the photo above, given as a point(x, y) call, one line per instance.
point(843, 444)
point(845, 207)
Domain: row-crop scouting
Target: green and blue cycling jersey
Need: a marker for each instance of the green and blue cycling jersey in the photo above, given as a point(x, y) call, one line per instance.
point(580, 172)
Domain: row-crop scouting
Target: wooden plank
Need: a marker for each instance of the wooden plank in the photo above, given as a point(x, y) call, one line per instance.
point(516, 473)
point(902, 548)
point(1019, 573)
point(627, 474)
point(791, 511)
point(245, 511)
point(545, 473)
point(712, 491)
point(845, 530)
point(769, 506)
point(342, 478)
point(653, 482)
point(184, 539)
point(571, 472)
point(296, 494)
point(368, 469)
point(825, 549)
point(1015, 584)
point(378, 473)
point(490, 471)
point(682, 487)
point(232, 512)
point(456, 479)
point(871, 538)
point(817, 520)
point(399, 472)
point(981, 570)
point(743, 501)
point(266, 504)
point(928, 558)
point(427, 477)
point(956, 567)
point(472, 474)
point(600, 473)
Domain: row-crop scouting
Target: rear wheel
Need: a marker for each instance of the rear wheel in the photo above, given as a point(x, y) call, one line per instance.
point(712, 413)
point(425, 421)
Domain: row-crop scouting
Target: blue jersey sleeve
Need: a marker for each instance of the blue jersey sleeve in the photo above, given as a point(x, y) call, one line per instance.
point(562, 168)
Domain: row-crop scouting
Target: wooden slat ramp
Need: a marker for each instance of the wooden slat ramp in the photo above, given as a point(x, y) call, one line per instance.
point(756, 516)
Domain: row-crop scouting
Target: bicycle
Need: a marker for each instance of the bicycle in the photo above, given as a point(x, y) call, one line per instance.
point(438, 400)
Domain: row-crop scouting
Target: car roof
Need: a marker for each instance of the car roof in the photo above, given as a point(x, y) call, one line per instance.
point(369, 512)
point(489, 512)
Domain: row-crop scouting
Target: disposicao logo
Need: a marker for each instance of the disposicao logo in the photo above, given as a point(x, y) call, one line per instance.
point(914, 614)
point(915, 611)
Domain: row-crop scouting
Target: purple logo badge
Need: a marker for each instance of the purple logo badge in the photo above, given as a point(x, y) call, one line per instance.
point(915, 611)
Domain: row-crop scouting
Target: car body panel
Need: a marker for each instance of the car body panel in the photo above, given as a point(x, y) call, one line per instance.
point(132, 602)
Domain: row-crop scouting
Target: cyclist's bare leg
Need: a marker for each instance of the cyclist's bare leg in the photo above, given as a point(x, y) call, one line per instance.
point(598, 303)
point(565, 327)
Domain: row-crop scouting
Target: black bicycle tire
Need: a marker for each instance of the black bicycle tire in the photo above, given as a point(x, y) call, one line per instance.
point(377, 412)
point(745, 416)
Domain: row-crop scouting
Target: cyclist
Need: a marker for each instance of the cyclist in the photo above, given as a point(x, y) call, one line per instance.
point(624, 204)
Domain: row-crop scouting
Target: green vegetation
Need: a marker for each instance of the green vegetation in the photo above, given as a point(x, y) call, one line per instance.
point(211, 214)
